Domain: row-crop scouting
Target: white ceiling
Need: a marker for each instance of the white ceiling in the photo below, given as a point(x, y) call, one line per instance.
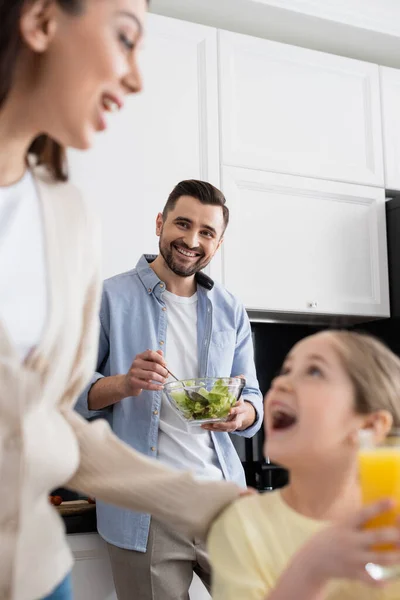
point(368, 30)
point(375, 15)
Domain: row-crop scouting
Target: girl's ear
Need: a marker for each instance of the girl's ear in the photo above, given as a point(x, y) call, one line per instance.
point(38, 24)
point(379, 423)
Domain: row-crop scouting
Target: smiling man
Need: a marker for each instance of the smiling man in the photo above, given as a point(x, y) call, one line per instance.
point(167, 313)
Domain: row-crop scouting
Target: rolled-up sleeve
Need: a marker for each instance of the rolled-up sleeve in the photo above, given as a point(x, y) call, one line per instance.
point(243, 364)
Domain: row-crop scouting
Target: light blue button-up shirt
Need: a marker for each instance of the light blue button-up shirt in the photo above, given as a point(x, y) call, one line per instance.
point(132, 320)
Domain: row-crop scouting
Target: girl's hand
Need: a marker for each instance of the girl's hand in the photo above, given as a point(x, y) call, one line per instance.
point(342, 550)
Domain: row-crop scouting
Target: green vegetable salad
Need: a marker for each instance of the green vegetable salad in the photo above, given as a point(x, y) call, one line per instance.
point(202, 404)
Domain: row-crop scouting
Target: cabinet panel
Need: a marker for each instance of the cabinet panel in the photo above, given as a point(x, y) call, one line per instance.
point(166, 134)
point(302, 245)
point(390, 85)
point(91, 575)
point(290, 110)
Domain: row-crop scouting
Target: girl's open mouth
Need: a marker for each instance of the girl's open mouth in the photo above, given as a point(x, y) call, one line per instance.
point(282, 420)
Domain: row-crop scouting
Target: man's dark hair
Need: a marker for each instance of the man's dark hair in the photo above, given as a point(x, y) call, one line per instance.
point(202, 191)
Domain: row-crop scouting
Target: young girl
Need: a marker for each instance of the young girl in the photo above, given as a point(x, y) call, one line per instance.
point(306, 541)
point(64, 65)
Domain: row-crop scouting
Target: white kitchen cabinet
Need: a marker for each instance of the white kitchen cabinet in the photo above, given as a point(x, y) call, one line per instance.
point(306, 246)
point(290, 110)
point(166, 134)
point(390, 86)
point(92, 575)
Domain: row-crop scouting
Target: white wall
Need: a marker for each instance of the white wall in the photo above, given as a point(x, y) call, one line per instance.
point(166, 134)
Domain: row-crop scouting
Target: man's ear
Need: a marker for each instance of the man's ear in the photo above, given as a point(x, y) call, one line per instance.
point(159, 224)
point(38, 24)
point(219, 244)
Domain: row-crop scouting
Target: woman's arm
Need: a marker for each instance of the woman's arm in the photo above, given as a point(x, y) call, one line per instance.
point(113, 472)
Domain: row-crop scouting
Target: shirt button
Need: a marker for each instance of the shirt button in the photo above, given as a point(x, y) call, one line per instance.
point(155, 412)
point(164, 309)
point(161, 343)
point(153, 449)
point(161, 285)
point(149, 290)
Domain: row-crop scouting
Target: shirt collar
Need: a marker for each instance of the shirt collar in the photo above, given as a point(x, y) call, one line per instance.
point(152, 283)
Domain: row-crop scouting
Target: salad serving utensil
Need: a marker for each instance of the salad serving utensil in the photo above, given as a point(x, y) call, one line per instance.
point(192, 395)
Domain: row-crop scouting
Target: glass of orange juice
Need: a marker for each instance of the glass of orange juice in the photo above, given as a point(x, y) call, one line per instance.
point(379, 474)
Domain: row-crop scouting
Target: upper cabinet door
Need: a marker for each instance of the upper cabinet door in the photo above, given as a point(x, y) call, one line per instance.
point(390, 83)
point(290, 110)
point(305, 246)
point(167, 133)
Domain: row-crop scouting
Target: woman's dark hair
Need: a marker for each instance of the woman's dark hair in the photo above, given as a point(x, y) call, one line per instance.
point(47, 151)
point(202, 191)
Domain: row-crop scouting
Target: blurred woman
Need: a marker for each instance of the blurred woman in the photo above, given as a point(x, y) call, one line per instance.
point(64, 65)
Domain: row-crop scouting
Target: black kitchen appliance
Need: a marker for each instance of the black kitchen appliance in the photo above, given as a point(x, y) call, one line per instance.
point(393, 242)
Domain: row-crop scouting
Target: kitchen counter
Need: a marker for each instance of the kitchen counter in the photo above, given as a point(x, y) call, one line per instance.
point(78, 515)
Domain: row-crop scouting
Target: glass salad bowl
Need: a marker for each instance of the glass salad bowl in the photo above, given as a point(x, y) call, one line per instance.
point(205, 400)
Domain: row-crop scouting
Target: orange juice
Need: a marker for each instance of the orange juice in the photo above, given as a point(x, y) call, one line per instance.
point(379, 471)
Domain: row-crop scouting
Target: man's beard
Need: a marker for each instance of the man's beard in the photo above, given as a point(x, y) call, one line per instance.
point(166, 251)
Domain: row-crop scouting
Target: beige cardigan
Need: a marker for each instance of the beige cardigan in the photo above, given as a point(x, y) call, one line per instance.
point(45, 444)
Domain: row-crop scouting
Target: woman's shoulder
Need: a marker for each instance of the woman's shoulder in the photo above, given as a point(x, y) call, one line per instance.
point(64, 200)
point(53, 187)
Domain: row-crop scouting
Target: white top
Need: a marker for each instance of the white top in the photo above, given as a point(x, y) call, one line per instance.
point(23, 296)
point(180, 445)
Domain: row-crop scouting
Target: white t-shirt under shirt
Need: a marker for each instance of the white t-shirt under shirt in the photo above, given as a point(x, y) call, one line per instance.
point(180, 445)
point(23, 290)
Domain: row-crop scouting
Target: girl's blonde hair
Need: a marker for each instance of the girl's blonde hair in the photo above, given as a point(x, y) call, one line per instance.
point(374, 371)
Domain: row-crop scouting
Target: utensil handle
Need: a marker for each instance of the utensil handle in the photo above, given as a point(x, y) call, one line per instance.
point(172, 375)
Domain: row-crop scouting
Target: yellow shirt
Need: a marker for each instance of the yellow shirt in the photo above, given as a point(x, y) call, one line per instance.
point(251, 544)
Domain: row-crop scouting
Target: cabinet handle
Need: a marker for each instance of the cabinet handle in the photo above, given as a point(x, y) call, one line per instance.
point(313, 304)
